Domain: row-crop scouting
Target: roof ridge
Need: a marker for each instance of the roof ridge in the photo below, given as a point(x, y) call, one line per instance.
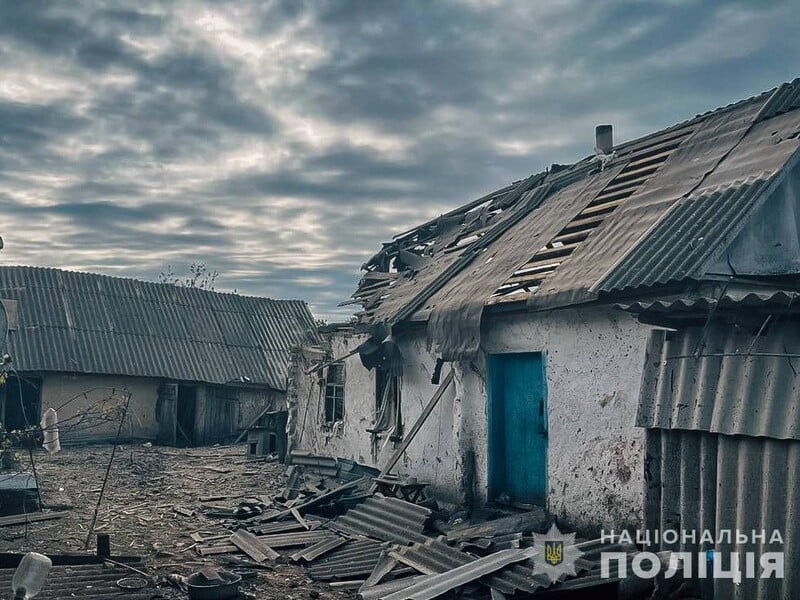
point(144, 281)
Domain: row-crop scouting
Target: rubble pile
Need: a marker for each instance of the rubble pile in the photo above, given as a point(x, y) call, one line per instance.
point(332, 520)
point(320, 528)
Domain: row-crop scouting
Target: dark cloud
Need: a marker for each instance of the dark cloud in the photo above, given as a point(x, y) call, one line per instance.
point(281, 142)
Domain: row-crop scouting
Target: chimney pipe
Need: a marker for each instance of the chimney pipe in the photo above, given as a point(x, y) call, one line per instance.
point(604, 139)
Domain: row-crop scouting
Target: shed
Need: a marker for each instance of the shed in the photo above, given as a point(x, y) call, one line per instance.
point(199, 365)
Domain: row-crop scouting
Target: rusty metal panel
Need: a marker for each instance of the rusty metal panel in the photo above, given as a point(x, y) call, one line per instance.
point(87, 323)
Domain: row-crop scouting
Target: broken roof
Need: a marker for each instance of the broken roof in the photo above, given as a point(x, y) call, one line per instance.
point(86, 323)
point(658, 210)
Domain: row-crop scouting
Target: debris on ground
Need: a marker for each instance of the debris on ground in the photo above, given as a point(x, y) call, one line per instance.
point(208, 520)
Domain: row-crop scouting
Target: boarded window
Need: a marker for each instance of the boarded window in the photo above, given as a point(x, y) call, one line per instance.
point(334, 393)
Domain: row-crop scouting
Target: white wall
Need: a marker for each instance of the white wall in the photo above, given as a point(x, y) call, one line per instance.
point(594, 365)
point(88, 408)
point(594, 362)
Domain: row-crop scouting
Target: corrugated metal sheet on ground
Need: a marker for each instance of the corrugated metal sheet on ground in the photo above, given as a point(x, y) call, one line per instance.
point(87, 323)
point(440, 583)
point(435, 556)
point(356, 559)
point(724, 390)
point(98, 582)
point(697, 481)
point(387, 519)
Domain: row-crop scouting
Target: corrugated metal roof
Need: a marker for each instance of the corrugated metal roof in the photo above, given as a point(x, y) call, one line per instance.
point(724, 379)
point(678, 246)
point(705, 301)
point(88, 323)
point(388, 519)
point(677, 198)
point(785, 98)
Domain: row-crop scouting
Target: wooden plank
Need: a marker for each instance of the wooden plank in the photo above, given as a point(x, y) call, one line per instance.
point(30, 518)
point(528, 521)
point(315, 501)
point(409, 437)
point(252, 546)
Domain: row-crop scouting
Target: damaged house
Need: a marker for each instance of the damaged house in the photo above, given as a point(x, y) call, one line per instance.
point(600, 338)
point(199, 366)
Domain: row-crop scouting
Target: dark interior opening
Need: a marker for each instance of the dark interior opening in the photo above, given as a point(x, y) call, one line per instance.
point(187, 409)
point(22, 402)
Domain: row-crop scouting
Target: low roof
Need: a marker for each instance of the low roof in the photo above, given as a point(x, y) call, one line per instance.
point(655, 211)
point(87, 323)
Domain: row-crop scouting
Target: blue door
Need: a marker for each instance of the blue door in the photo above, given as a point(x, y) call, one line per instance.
point(518, 427)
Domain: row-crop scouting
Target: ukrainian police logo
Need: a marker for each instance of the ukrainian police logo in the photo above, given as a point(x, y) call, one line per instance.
point(554, 552)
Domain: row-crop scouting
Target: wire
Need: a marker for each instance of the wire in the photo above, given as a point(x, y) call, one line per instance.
point(108, 472)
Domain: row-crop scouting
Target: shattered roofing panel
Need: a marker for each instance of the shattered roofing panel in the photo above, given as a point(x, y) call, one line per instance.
point(785, 98)
point(87, 323)
point(458, 307)
point(388, 519)
point(697, 156)
point(717, 162)
point(96, 581)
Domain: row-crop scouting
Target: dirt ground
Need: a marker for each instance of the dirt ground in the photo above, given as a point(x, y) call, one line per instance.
point(145, 486)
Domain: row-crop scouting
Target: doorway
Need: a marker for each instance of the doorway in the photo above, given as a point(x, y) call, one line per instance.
point(517, 449)
point(187, 411)
point(22, 402)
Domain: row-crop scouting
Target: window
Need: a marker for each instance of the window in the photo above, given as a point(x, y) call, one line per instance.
point(334, 393)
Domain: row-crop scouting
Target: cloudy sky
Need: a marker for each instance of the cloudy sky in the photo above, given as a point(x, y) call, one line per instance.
point(281, 142)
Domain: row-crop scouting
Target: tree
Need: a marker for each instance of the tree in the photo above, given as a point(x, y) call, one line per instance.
point(200, 276)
